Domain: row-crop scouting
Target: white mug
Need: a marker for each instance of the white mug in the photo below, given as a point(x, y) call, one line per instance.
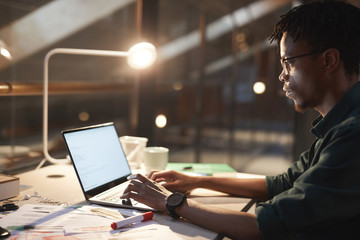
point(155, 158)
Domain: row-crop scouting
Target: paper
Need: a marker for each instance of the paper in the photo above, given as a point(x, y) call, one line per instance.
point(32, 221)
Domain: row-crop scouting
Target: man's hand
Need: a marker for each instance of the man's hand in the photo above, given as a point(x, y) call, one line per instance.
point(174, 181)
point(147, 191)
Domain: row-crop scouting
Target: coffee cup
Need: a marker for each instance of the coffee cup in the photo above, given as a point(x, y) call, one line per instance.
point(155, 158)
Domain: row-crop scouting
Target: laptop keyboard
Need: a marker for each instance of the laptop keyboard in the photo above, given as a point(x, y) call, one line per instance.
point(113, 195)
point(112, 198)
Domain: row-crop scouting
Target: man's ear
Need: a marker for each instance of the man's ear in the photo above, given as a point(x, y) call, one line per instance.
point(331, 60)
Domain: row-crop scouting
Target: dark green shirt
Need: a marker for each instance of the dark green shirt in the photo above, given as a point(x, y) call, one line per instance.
point(319, 195)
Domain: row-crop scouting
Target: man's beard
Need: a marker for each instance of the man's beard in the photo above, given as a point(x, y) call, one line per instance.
point(299, 108)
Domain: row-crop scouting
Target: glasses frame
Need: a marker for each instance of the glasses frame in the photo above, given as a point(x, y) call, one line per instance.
point(284, 61)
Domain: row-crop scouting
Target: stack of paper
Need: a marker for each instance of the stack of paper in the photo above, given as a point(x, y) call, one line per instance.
point(40, 221)
point(9, 186)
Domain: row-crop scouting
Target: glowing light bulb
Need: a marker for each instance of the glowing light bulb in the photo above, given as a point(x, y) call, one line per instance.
point(161, 121)
point(142, 55)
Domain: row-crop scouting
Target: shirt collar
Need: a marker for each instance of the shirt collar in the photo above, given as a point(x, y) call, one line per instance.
point(350, 101)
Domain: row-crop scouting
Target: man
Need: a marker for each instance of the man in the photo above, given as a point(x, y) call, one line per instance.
point(319, 195)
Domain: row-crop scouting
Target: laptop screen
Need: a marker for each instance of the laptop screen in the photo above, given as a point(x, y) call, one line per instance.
point(97, 155)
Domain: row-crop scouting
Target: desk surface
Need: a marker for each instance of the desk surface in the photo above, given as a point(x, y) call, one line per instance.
point(58, 183)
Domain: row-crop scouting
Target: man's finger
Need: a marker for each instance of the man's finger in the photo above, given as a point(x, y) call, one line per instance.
point(164, 176)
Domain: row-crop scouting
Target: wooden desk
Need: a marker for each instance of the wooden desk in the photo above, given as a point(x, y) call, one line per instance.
point(59, 183)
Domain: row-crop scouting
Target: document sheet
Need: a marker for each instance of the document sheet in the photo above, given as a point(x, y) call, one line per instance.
point(38, 221)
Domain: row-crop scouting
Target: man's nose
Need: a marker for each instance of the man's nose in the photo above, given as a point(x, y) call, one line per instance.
point(282, 76)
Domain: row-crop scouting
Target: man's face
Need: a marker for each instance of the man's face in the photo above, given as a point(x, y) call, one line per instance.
point(303, 82)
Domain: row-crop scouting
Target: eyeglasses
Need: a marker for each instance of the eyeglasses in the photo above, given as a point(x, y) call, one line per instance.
point(285, 64)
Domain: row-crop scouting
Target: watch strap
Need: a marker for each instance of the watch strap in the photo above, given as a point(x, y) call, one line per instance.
point(172, 212)
point(171, 209)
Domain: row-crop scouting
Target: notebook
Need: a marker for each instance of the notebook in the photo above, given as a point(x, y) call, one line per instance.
point(100, 165)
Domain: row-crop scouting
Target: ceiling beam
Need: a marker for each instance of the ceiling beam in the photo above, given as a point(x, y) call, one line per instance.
point(53, 22)
point(220, 27)
point(214, 6)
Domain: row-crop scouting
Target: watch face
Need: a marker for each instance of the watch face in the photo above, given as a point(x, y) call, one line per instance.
point(175, 199)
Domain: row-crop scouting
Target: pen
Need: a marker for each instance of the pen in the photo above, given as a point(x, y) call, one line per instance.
point(139, 218)
point(188, 168)
point(21, 227)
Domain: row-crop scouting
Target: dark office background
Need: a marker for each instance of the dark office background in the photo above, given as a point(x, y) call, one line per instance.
point(210, 55)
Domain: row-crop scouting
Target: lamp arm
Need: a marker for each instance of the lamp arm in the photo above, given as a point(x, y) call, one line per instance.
point(71, 51)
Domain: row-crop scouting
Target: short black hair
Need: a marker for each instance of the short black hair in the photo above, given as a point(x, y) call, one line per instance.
point(323, 25)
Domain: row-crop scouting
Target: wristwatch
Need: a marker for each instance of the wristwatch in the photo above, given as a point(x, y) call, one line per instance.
point(174, 201)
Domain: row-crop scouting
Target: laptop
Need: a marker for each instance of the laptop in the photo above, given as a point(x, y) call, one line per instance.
point(100, 165)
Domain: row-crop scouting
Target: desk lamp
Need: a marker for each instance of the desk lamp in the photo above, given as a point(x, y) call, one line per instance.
point(139, 56)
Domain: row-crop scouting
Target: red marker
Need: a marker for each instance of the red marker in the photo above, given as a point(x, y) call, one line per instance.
point(139, 218)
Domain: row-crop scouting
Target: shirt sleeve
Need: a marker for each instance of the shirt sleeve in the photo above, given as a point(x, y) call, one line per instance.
point(282, 182)
point(327, 192)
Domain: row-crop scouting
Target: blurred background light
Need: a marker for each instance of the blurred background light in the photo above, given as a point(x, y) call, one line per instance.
point(259, 87)
point(4, 50)
point(84, 116)
point(161, 121)
point(178, 86)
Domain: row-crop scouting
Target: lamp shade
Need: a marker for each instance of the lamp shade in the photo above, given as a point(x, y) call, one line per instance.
point(141, 55)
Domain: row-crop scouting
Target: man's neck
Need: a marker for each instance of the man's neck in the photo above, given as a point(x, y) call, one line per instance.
point(336, 93)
